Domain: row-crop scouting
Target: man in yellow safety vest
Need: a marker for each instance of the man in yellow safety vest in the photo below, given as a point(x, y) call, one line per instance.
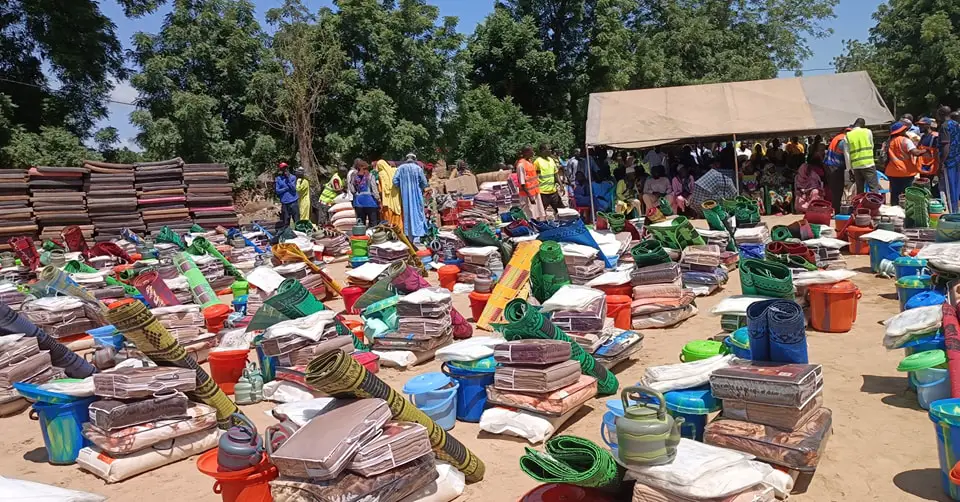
point(858, 151)
point(549, 176)
point(330, 191)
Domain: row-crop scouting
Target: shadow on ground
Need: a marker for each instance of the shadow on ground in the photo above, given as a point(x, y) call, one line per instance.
point(923, 483)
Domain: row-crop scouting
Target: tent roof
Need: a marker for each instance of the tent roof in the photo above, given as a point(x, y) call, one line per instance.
point(648, 117)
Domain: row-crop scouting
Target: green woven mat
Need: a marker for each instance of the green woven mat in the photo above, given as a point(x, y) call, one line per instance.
point(548, 272)
point(781, 233)
point(196, 229)
point(916, 207)
point(614, 220)
point(766, 278)
point(482, 235)
point(517, 214)
point(304, 226)
point(678, 235)
point(293, 301)
point(790, 260)
point(573, 460)
point(201, 246)
point(525, 322)
point(170, 237)
point(649, 252)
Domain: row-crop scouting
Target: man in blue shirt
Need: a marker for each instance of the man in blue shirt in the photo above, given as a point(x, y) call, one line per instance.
point(285, 185)
point(949, 136)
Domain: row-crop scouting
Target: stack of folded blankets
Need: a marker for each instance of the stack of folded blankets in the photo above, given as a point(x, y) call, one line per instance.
point(178, 286)
point(296, 342)
point(388, 252)
point(210, 195)
point(295, 270)
point(160, 195)
point(212, 269)
point(580, 312)
point(774, 412)
point(96, 284)
point(424, 324)
point(449, 244)
point(315, 285)
point(333, 243)
point(501, 191)
point(58, 199)
point(355, 452)
point(16, 215)
point(719, 238)
point(659, 299)
point(112, 202)
point(537, 387)
point(582, 262)
point(243, 257)
point(482, 261)
point(187, 325)
point(702, 270)
point(254, 301)
point(366, 275)
point(826, 252)
point(143, 421)
point(759, 234)
point(61, 316)
point(483, 210)
point(21, 360)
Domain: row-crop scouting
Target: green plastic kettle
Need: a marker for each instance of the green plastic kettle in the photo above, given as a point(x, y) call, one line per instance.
point(646, 434)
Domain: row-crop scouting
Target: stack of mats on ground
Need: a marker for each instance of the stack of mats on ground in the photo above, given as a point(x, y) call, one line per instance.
point(582, 263)
point(58, 199)
point(22, 361)
point(16, 215)
point(210, 195)
point(160, 195)
point(425, 324)
point(61, 317)
point(112, 200)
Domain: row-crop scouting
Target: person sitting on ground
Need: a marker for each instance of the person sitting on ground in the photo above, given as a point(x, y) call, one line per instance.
point(808, 186)
point(750, 177)
point(625, 197)
point(603, 191)
point(657, 187)
point(682, 186)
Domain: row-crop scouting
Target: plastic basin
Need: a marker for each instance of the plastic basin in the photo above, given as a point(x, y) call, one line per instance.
point(62, 428)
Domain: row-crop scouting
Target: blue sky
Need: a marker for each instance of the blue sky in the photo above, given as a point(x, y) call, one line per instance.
point(852, 22)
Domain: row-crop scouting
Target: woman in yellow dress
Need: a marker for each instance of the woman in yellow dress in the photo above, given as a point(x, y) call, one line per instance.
point(303, 193)
point(391, 209)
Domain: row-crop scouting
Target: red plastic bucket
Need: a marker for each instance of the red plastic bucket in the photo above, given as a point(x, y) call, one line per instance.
point(248, 485)
point(858, 246)
point(478, 301)
point(618, 308)
point(833, 307)
point(226, 367)
point(618, 290)
point(350, 295)
point(448, 276)
point(214, 316)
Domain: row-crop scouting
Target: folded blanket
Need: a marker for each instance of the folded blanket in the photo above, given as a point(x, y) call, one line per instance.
point(663, 290)
point(554, 404)
point(532, 352)
point(683, 375)
point(539, 380)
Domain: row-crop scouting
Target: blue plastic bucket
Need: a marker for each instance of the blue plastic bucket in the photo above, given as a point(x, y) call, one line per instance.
point(62, 427)
point(608, 429)
point(907, 265)
point(694, 406)
point(436, 395)
point(910, 286)
point(268, 364)
point(945, 415)
point(932, 342)
point(107, 336)
point(472, 398)
point(880, 251)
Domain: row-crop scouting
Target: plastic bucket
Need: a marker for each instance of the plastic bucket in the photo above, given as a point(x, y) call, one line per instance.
point(905, 266)
point(240, 288)
point(699, 350)
point(425, 255)
point(62, 428)
point(833, 307)
point(616, 290)
point(268, 364)
point(840, 221)
point(736, 350)
point(248, 485)
point(910, 286)
point(608, 431)
point(350, 296)
point(214, 316)
point(448, 276)
point(107, 336)
point(226, 367)
point(472, 396)
point(435, 394)
point(946, 423)
point(359, 246)
point(694, 406)
point(858, 246)
point(478, 301)
point(880, 251)
point(618, 308)
point(358, 262)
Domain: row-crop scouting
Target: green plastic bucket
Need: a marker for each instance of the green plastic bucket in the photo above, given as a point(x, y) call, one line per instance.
point(699, 350)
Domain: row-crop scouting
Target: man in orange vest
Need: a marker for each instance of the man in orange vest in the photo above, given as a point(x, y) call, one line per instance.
point(529, 185)
point(929, 162)
point(836, 164)
point(902, 166)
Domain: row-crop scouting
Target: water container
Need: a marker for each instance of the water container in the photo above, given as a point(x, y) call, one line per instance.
point(910, 286)
point(927, 393)
point(880, 250)
point(693, 405)
point(62, 428)
point(436, 395)
point(608, 430)
point(945, 415)
point(472, 397)
point(909, 265)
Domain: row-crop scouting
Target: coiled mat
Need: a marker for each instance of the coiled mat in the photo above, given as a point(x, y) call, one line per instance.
point(573, 460)
point(138, 325)
point(201, 246)
point(548, 272)
point(341, 376)
point(525, 322)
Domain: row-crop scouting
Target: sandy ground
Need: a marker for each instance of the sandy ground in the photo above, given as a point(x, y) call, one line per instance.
point(883, 447)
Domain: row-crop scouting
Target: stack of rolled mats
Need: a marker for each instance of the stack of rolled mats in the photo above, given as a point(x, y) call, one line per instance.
point(112, 200)
point(774, 412)
point(354, 452)
point(58, 198)
point(16, 215)
point(137, 409)
point(160, 195)
point(524, 322)
point(425, 324)
point(210, 195)
point(21, 360)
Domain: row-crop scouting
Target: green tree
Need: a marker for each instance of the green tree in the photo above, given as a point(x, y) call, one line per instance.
point(51, 146)
point(912, 53)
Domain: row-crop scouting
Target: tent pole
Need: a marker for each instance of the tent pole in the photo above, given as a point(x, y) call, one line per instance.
point(736, 165)
point(593, 209)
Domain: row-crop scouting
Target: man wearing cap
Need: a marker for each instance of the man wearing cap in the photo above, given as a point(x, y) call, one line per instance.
point(858, 152)
point(285, 185)
point(928, 161)
point(902, 165)
point(412, 182)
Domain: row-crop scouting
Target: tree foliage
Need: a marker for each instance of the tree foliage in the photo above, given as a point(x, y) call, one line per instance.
point(912, 53)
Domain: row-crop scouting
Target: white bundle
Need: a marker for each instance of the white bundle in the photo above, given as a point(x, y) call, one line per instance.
point(901, 327)
point(311, 327)
point(571, 298)
point(683, 375)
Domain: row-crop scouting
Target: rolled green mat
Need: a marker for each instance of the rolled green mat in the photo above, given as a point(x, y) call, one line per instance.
point(74, 266)
point(552, 272)
point(781, 233)
point(678, 235)
point(304, 226)
point(140, 327)
point(482, 235)
point(196, 229)
point(615, 221)
point(766, 278)
point(49, 245)
point(294, 300)
point(573, 460)
point(201, 246)
point(525, 322)
point(649, 252)
point(51, 279)
point(170, 237)
point(917, 207)
point(341, 376)
point(203, 294)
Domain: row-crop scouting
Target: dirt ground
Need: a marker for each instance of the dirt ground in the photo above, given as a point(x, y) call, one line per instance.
point(883, 447)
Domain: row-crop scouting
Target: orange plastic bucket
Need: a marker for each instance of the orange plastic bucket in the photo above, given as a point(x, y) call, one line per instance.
point(356, 327)
point(618, 308)
point(448, 276)
point(478, 301)
point(226, 367)
point(214, 316)
point(350, 296)
point(858, 246)
point(619, 290)
point(248, 485)
point(833, 307)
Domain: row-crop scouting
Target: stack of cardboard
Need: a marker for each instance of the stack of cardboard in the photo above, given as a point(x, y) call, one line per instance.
point(112, 200)
point(160, 195)
point(210, 195)
point(16, 215)
point(58, 199)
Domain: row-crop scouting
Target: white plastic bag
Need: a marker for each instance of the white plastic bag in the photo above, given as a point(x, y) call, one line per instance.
point(471, 349)
point(283, 391)
point(531, 427)
point(447, 487)
point(827, 242)
point(912, 322)
point(301, 412)
point(700, 471)
point(683, 375)
point(736, 305)
point(571, 297)
point(808, 278)
point(18, 490)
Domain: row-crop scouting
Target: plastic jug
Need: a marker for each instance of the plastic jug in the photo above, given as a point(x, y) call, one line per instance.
point(249, 389)
point(646, 434)
point(241, 447)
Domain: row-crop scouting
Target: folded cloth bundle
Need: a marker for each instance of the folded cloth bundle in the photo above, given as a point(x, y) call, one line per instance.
point(399, 444)
point(663, 318)
point(708, 255)
point(590, 319)
point(111, 414)
point(127, 383)
point(540, 380)
point(652, 305)
point(684, 375)
point(553, 404)
point(662, 290)
point(16, 348)
point(197, 417)
point(394, 340)
point(25, 368)
point(60, 356)
point(589, 342)
point(532, 352)
point(283, 344)
point(582, 274)
point(391, 486)
point(717, 277)
point(655, 274)
point(423, 325)
point(618, 347)
point(304, 355)
point(800, 449)
point(782, 417)
point(646, 493)
point(768, 383)
point(426, 302)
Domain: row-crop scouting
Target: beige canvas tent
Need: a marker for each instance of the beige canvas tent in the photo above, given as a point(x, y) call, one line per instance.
point(783, 107)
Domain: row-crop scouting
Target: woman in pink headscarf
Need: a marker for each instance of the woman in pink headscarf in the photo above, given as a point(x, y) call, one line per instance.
point(807, 186)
